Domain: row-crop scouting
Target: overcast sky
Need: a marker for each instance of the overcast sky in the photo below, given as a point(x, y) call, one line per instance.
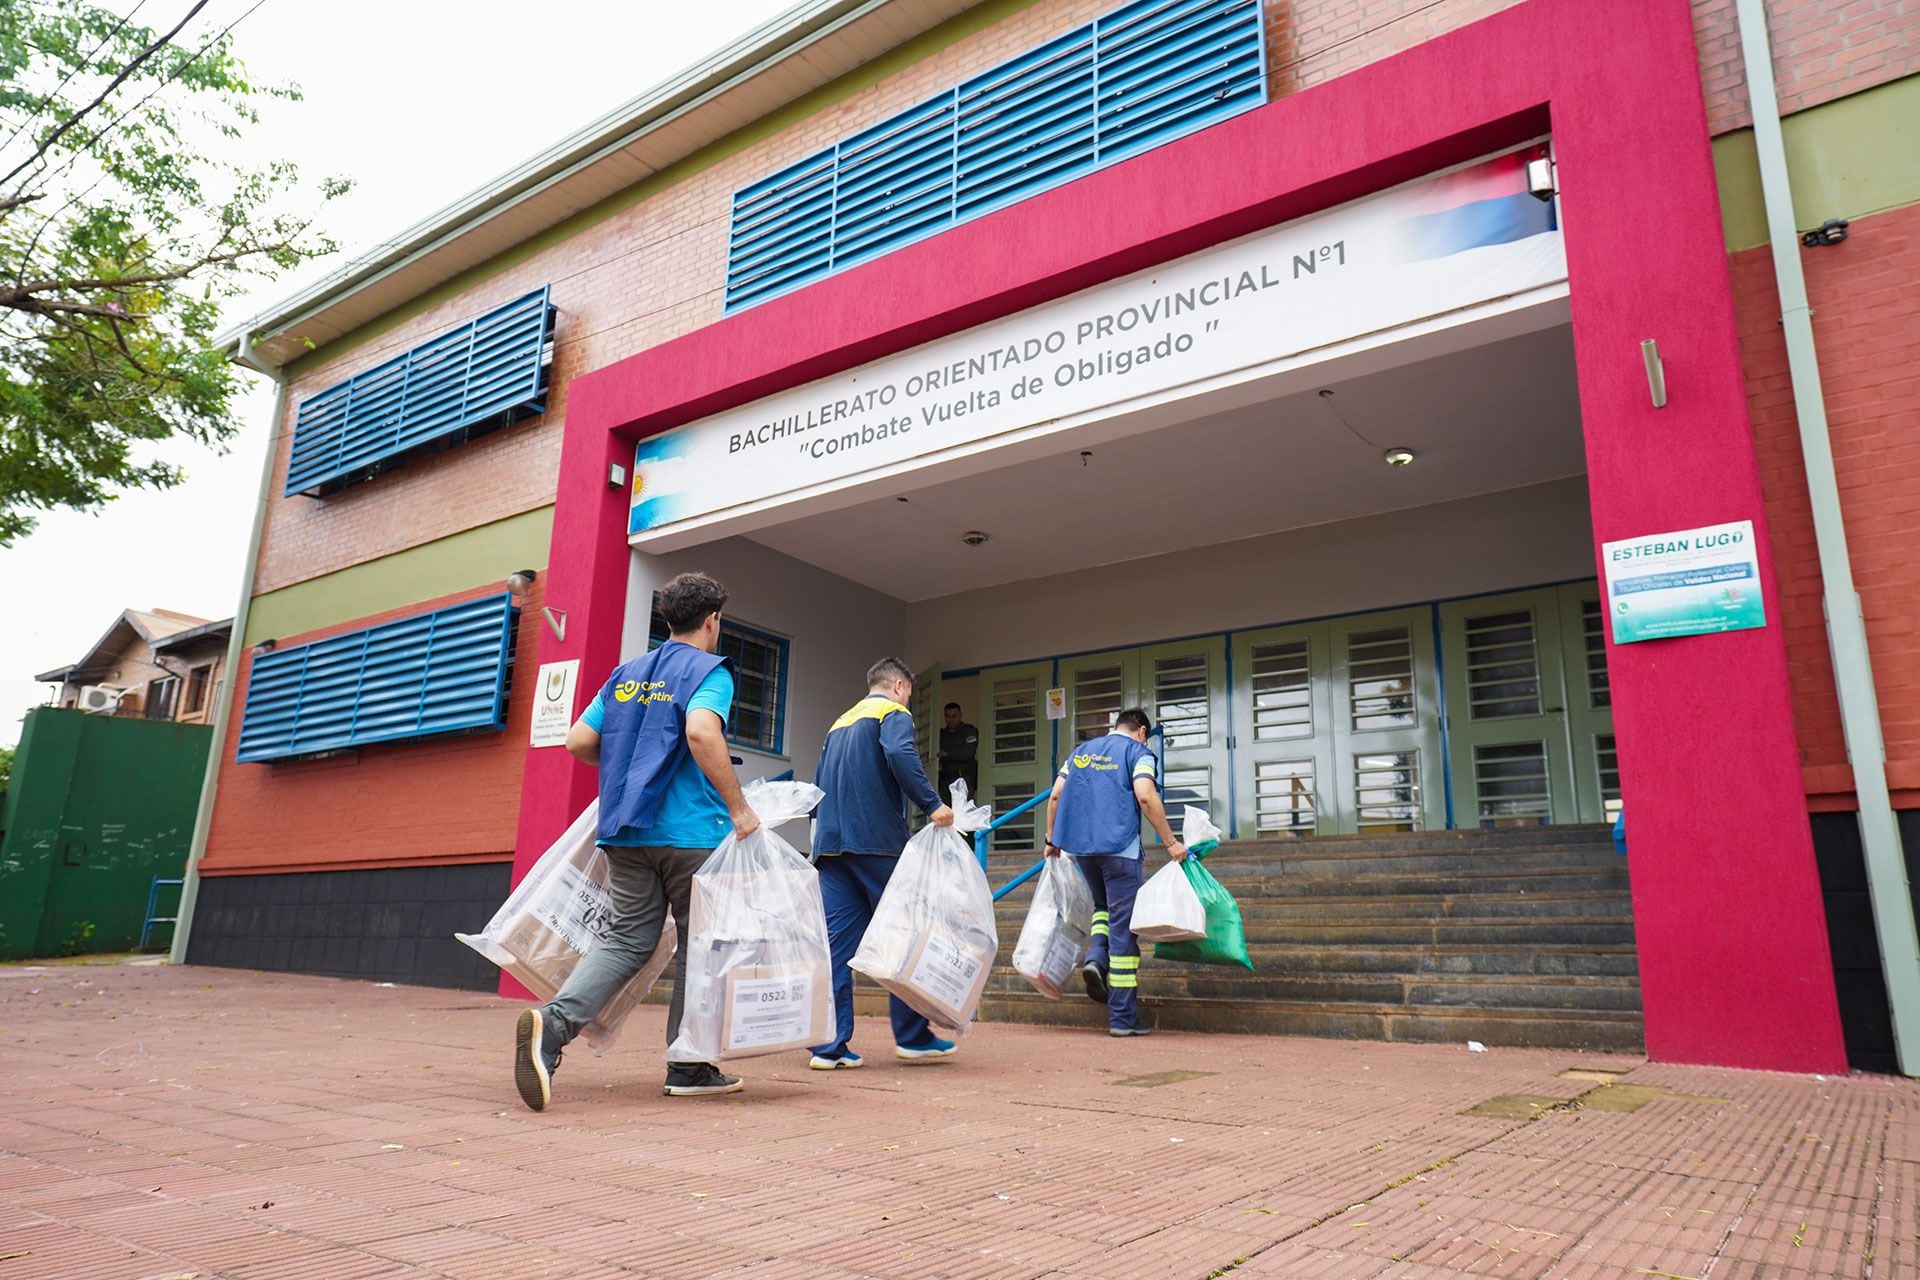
point(420, 102)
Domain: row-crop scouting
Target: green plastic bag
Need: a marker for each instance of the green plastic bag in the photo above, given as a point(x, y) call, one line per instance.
point(1226, 940)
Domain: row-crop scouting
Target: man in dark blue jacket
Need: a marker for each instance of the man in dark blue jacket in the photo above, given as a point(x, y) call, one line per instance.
point(668, 796)
point(868, 769)
point(1094, 813)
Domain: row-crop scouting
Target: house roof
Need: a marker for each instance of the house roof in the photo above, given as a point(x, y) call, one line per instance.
point(191, 635)
point(144, 624)
point(778, 62)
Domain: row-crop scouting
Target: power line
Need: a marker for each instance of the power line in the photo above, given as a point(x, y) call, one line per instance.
point(77, 68)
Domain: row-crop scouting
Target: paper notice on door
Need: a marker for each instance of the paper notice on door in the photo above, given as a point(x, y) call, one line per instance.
point(947, 971)
point(770, 1011)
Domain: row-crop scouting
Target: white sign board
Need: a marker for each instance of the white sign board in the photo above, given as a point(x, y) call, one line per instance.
point(553, 702)
point(1415, 253)
point(1693, 582)
point(1057, 704)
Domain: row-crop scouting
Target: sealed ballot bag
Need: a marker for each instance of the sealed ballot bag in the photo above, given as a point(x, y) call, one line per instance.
point(557, 914)
point(1224, 940)
point(1059, 925)
point(932, 940)
point(759, 974)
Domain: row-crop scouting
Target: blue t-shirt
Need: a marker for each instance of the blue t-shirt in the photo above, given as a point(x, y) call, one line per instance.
point(1098, 812)
point(691, 815)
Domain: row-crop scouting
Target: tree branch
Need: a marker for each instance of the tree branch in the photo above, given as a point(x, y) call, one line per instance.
point(24, 297)
point(47, 142)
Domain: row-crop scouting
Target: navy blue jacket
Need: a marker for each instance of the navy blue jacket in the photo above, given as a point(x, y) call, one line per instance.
point(868, 765)
point(1098, 812)
point(644, 736)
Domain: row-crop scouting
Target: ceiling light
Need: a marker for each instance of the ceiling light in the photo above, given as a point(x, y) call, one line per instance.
point(973, 537)
point(1398, 457)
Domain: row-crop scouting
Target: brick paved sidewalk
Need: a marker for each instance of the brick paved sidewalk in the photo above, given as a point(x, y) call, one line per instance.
point(159, 1122)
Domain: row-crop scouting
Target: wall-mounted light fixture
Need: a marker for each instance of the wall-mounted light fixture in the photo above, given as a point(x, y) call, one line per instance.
point(1656, 373)
point(1540, 178)
point(1826, 235)
point(616, 476)
point(265, 646)
point(521, 581)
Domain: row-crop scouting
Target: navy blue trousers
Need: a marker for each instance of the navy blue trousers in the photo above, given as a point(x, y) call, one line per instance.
point(850, 888)
point(1115, 882)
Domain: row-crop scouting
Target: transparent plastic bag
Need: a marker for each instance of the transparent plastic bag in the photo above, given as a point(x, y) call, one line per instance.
point(558, 913)
point(1167, 908)
point(932, 940)
point(1059, 925)
point(759, 966)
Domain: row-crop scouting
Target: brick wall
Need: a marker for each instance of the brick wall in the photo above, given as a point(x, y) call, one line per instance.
point(390, 804)
point(1867, 326)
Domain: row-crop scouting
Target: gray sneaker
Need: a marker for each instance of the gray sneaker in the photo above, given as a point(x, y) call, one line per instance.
point(694, 1079)
point(535, 1058)
point(1129, 1031)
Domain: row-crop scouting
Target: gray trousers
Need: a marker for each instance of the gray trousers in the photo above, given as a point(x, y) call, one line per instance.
point(642, 884)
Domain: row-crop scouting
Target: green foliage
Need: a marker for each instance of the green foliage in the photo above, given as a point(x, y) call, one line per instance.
point(77, 939)
point(125, 221)
point(6, 768)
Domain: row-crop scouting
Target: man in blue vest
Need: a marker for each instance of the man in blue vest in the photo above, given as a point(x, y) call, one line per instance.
point(1094, 813)
point(668, 796)
point(868, 769)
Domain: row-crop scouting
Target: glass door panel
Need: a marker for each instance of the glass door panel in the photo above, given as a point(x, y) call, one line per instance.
point(1596, 768)
point(1016, 749)
point(1386, 724)
point(1282, 731)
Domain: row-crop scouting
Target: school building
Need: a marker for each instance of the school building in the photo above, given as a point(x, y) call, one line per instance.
point(1398, 399)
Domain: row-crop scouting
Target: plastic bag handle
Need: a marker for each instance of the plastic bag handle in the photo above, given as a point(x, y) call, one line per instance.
point(1199, 851)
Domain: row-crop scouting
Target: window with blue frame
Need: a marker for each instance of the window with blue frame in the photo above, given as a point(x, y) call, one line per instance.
point(759, 683)
point(434, 674)
point(488, 373)
point(1145, 74)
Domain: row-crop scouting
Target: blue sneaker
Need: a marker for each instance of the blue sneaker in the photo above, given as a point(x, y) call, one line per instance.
point(931, 1049)
point(845, 1061)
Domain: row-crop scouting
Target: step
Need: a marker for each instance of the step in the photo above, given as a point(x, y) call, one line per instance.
point(1482, 908)
point(1595, 1030)
point(1359, 864)
point(1489, 991)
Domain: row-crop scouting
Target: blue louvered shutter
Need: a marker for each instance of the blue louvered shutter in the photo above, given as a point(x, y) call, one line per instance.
point(1144, 74)
point(432, 674)
point(486, 373)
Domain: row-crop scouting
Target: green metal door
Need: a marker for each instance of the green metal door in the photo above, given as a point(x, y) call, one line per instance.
point(1507, 726)
point(1596, 768)
point(1016, 746)
point(1099, 687)
point(1386, 724)
point(1283, 731)
point(1184, 691)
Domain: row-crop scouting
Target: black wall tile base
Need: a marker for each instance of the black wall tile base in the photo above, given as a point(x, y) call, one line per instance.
point(385, 926)
point(1858, 980)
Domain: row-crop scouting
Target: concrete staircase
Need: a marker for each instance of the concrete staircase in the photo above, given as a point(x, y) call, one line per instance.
point(1522, 936)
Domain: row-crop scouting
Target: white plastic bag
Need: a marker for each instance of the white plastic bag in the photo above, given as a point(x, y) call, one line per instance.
point(932, 940)
point(1166, 908)
point(759, 966)
point(1197, 831)
point(1059, 925)
point(558, 913)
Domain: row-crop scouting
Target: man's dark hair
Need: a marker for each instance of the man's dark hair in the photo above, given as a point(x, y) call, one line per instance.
point(951, 706)
point(686, 601)
point(888, 670)
point(1133, 718)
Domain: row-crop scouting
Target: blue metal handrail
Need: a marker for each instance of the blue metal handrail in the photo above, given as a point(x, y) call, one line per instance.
point(785, 776)
point(153, 900)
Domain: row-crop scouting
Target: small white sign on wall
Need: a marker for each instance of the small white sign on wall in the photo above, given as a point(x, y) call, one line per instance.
point(1056, 704)
point(553, 702)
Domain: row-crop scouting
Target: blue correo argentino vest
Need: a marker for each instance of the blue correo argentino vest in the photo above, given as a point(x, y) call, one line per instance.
point(645, 733)
point(1099, 813)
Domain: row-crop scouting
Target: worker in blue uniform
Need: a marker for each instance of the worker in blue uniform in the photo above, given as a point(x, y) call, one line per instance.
point(869, 768)
point(668, 797)
point(1094, 813)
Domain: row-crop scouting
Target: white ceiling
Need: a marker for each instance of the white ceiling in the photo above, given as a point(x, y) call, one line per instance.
point(1494, 417)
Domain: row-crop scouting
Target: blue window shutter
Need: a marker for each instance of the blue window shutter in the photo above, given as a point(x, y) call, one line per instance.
point(432, 674)
point(486, 373)
point(1145, 74)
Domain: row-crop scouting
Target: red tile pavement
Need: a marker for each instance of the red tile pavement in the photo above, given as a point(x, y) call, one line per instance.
point(159, 1122)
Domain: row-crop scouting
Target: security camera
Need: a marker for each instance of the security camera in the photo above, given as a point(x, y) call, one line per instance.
point(1540, 178)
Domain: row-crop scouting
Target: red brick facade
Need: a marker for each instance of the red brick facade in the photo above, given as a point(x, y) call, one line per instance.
point(387, 805)
point(1866, 322)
